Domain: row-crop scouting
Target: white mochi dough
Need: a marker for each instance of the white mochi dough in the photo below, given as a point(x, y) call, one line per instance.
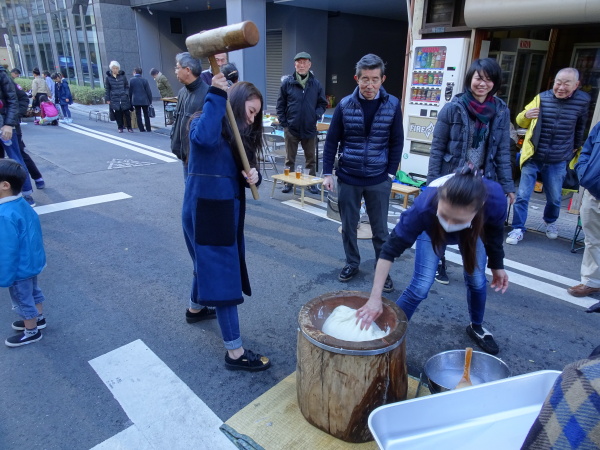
point(341, 324)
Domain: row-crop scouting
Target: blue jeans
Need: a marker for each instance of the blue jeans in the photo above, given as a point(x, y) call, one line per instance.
point(25, 294)
point(553, 176)
point(426, 262)
point(65, 111)
point(229, 322)
point(14, 152)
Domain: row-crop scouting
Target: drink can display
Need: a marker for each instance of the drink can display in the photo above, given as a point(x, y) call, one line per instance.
point(438, 95)
point(415, 78)
point(424, 58)
point(436, 79)
point(430, 78)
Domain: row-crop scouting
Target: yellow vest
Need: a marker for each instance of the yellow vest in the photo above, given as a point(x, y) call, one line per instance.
point(527, 149)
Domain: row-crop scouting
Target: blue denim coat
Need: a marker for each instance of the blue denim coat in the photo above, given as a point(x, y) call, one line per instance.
point(22, 253)
point(214, 207)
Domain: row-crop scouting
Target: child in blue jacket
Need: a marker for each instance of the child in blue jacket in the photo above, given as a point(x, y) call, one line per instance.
point(63, 95)
point(22, 255)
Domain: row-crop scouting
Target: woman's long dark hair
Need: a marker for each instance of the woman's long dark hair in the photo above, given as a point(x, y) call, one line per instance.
point(252, 135)
point(465, 189)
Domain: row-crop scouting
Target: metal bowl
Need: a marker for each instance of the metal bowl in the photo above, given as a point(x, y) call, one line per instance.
point(444, 370)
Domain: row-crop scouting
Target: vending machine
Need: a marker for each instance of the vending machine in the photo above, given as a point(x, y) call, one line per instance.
point(436, 74)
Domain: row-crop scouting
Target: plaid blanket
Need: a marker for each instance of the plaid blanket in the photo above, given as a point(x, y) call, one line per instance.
point(570, 416)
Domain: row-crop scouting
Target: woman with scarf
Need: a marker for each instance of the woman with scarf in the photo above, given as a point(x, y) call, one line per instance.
point(465, 209)
point(474, 128)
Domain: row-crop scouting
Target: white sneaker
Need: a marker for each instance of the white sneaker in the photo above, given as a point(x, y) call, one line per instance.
point(514, 236)
point(551, 230)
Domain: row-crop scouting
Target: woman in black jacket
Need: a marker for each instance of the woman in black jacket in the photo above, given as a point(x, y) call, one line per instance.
point(117, 95)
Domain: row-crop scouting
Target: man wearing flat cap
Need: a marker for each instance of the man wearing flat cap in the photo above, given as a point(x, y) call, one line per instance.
point(300, 105)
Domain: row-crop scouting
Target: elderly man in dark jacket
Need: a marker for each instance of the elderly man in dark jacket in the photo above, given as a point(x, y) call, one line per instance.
point(560, 116)
point(9, 114)
point(141, 97)
point(366, 129)
point(189, 100)
point(300, 105)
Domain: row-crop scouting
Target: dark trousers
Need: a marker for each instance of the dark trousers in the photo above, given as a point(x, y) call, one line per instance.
point(291, 150)
point(31, 167)
point(377, 202)
point(138, 115)
point(119, 116)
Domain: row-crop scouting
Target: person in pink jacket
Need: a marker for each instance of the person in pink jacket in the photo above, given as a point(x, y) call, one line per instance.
point(48, 112)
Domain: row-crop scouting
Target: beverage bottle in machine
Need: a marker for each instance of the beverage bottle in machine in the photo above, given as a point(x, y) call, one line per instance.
point(431, 60)
point(418, 60)
point(430, 78)
point(415, 78)
point(438, 60)
point(424, 56)
point(443, 59)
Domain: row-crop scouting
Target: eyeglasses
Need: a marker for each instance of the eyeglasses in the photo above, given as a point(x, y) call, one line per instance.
point(364, 82)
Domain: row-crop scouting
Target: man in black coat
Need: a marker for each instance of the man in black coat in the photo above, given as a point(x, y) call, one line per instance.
point(300, 105)
point(141, 97)
point(189, 100)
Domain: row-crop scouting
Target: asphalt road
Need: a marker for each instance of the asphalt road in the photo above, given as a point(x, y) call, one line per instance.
point(118, 271)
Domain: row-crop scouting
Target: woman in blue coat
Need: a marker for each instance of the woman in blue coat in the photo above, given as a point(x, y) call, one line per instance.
point(214, 208)
point(465, 209)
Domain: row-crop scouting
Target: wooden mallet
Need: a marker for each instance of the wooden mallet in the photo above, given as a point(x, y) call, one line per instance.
point(221, 40)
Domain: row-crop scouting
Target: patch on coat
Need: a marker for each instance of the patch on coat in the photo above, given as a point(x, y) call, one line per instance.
point(215, 222)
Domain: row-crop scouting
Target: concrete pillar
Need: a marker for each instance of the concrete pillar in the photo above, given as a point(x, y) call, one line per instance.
point(250, 62)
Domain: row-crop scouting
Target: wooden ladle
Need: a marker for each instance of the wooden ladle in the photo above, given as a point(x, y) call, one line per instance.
point(465, 381)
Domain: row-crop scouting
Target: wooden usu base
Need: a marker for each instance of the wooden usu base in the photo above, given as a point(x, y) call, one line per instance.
point(339, 383)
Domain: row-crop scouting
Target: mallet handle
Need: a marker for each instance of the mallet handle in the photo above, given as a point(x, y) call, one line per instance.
point(236, 133)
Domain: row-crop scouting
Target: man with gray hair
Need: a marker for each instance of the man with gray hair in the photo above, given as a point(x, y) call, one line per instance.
point(366, 131)
point(189, 100)
point(556, 120)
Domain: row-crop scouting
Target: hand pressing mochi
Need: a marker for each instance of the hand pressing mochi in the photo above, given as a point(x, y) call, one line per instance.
point(341, 324)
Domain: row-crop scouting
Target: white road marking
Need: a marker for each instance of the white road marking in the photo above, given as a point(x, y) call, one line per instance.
point(165, 411)
point(155, 153)
point(118, 138)
point(54, 207)
point(536, 285)
point(552, 290)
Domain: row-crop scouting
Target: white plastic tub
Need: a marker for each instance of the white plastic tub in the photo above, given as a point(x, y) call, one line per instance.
point(495, 415)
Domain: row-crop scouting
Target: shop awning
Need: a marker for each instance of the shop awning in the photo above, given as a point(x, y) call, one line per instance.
point(516, 13)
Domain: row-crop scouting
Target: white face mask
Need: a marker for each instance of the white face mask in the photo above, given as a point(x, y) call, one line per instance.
point(451, 228)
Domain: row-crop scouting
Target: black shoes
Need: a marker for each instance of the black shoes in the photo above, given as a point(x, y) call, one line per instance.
point(388, 286)
point(204, 314)
point(484, 340)
point(440, 275)
point(22, 339)
point(19, 325)
point(347, 273)
point(286, 188)
point(314, 190)
point(250, 361)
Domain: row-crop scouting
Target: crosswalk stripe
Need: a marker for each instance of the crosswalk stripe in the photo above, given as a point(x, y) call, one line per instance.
point(71, 204)
point(154, 153)
point(164, 410)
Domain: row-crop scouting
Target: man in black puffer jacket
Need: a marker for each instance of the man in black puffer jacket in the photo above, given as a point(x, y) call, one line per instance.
point(366, 129)
point(300, 105)
point(10, 116)
point(560, 116)
point(189, 100)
